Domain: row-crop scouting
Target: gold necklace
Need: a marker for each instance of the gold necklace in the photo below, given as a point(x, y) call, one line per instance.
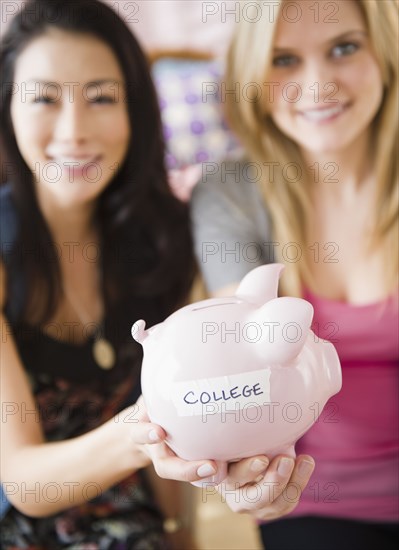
point(103, 351)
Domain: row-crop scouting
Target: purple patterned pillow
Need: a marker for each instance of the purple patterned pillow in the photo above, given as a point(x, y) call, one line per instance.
point(192, 115)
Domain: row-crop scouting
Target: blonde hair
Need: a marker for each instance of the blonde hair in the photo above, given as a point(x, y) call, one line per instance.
point(288, 201)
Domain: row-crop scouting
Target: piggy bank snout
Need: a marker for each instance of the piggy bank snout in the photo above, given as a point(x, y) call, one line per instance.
point(332, 366)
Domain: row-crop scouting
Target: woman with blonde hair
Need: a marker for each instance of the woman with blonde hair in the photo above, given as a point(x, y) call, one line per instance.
point(311, 91)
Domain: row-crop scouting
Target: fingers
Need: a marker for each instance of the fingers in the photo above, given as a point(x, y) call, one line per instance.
point(149, 438)
point(289, 497)
point(261, 494)
point(141, 430)
point(271, 495)
point(246, 471)
point(169, 466)
point(183, 470)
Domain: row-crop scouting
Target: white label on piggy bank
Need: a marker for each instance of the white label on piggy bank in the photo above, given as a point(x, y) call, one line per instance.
point(224, 393)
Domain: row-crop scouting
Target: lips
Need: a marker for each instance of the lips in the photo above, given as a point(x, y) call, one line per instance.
point(324, 114)
point(75, 161)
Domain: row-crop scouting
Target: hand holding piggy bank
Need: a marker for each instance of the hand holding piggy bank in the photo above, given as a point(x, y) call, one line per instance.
point(229, 378)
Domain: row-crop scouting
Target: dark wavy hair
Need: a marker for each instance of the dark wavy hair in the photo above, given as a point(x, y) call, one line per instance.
point(146, 245)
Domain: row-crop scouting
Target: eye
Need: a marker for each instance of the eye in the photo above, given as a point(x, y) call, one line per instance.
point(284, 60)
point(347, 48)
point(103, 100)
point(45, 100)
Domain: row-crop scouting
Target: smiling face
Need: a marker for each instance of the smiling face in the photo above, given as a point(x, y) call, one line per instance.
point(69, 115)
point(328, 86)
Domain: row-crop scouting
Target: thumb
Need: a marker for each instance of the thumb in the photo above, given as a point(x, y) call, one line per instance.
point(147, 433)
point(143, 431)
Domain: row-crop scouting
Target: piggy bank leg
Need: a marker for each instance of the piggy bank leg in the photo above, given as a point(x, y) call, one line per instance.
point(213, 480)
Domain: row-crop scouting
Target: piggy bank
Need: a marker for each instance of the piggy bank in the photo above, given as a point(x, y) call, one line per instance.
point(229, 378)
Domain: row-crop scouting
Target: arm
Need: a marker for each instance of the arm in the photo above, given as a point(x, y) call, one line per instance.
point(227, 216)
point(231, 228)
point(79, 468)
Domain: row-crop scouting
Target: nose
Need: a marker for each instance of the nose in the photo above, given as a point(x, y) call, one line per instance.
point(318, 81)
point(72, 124)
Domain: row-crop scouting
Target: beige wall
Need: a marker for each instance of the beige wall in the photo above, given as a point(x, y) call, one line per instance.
point(166, 24)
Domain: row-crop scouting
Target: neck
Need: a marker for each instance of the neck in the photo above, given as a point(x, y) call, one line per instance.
point(69, 224)
point(342, 171)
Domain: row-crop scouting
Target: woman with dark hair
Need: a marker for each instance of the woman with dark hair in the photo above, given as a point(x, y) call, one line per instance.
point(92, 239)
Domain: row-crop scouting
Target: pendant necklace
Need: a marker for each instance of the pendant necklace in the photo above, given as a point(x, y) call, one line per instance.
point(103, 350)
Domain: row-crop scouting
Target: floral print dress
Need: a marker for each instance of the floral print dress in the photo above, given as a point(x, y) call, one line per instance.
point(71, 402)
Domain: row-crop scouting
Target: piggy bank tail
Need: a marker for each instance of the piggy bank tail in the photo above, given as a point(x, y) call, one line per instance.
point(138, 331)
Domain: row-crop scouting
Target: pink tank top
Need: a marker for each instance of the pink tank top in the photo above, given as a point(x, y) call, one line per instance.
point(355, 442)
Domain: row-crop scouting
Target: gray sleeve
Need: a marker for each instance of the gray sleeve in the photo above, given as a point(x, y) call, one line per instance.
point(230, 224)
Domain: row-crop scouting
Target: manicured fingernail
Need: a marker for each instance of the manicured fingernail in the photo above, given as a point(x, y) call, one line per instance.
point(153, 436)
point(285, 466)
point(259, 465)
point(206, 470)
point(305, 468)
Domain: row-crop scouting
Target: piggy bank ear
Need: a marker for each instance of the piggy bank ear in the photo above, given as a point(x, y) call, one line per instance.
point(138, 331)
point(286, 322)
point(261, 284)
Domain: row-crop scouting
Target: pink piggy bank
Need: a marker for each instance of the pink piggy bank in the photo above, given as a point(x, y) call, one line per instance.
point(229, 378)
